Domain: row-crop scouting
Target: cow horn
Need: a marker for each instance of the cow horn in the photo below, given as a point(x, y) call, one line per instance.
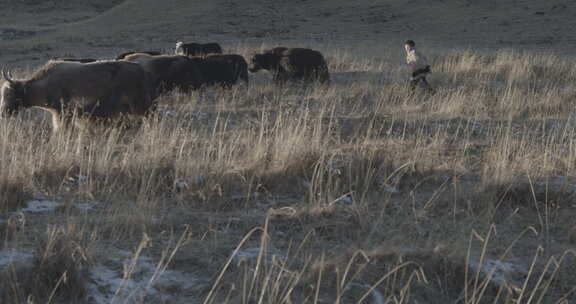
point(7, 76)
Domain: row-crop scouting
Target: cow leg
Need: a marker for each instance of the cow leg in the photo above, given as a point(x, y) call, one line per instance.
point(427, 86)
point(276, 78)
point(325, 77)
point(240, 71)
point(245, 77)
point(280, 77)
point(311, 76)
point(59, 108)
point(425, 82)
point(139, 102)
point(126, 104)
point(68, 118)
point(282, 73)
point(103, 108)
point(197, 82)
point(304, 78)
point(323, 74)
point(320, 75)
point(322, 78)
point(144, 99)
point(297, 76)
point(56, 119)
point(60, 120)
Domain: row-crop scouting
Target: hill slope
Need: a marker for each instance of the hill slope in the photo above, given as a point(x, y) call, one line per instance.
point(36, 30)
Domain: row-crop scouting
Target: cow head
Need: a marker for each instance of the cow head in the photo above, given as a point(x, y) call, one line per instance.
point(263, 62)
point(13, 95)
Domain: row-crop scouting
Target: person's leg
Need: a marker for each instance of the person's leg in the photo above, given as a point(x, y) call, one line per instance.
point(425, 82)
point(414, 79)
point(413, 83)
point(427, 86)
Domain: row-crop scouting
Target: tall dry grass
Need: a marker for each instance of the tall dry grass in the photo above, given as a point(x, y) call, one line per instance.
point(365, 191)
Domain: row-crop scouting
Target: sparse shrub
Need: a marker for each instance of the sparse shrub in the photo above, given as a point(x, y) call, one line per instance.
point(58, 272)
point(530, 195)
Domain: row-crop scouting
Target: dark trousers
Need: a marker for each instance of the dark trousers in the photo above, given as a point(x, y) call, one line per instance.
point(420, 75)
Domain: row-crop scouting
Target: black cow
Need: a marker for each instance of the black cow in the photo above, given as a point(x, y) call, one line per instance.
point(170, 71)
point(197, 49)
point(223, 70)
point(292, 64)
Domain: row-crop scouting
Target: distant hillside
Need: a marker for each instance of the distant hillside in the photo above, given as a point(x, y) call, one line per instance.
point(34, 30)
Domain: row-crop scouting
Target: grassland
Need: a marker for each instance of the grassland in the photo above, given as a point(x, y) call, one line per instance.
point(359, 192)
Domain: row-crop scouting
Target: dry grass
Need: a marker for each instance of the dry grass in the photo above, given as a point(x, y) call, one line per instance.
point(363, 190)
point(58, 271)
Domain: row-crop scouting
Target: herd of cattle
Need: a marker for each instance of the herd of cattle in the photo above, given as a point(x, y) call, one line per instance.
point(131, 83)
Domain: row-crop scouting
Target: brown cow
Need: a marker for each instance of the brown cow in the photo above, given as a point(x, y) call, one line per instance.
point(81, 60)
point(292, 64)
point(126, 54)
point(101, 89)
point(197, 49)
point(170, 72)
point(277, 50)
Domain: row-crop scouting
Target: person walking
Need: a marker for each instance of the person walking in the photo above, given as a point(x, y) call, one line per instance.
point(418, 65)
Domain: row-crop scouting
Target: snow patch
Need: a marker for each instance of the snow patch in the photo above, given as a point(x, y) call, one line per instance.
point(390, 189)
point(254, 253)
point(144, 281)
point(377, 296)
point(86, 206)
point(182, 184)
point(246, 254)
point(559, 182)
point(41, 204)
point(10, 256)
point(37, 206)
point(499, 272)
